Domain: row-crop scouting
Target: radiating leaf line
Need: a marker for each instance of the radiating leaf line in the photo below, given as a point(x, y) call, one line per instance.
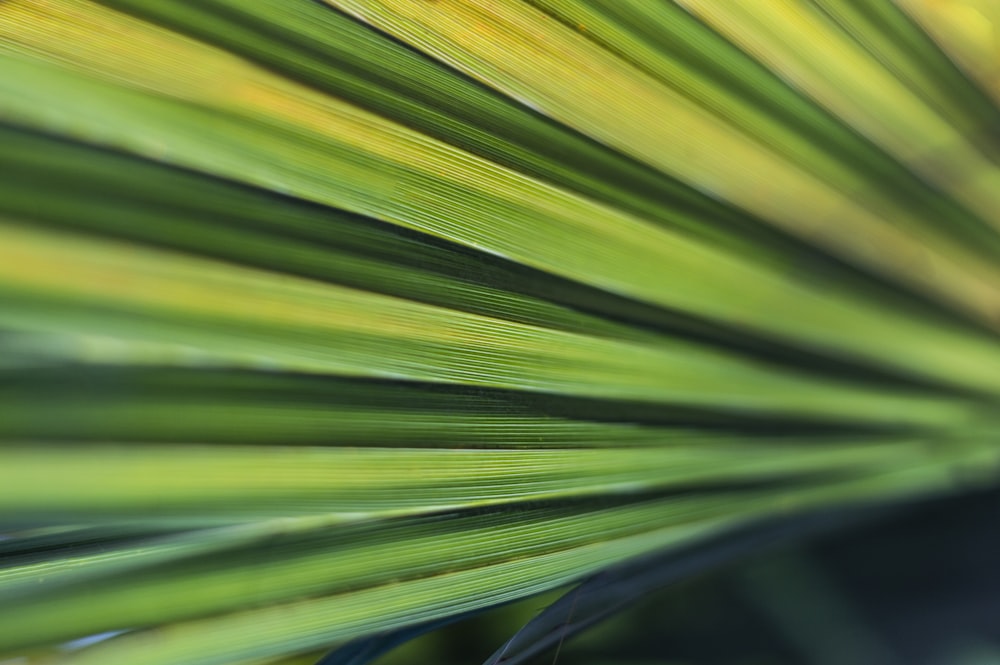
point(385, 185)
point(102, 481)
point(467, 35)
point(308, 623)
point(241, 315)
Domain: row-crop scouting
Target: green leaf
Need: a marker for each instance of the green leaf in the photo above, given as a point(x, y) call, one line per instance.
point(320, 321)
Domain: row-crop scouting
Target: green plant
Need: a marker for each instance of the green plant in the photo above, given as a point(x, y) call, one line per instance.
point(326, 320)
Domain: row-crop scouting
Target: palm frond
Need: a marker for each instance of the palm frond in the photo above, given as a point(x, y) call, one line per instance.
point(329, 323)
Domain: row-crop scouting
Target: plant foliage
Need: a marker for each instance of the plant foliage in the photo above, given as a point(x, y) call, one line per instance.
point(327, 321)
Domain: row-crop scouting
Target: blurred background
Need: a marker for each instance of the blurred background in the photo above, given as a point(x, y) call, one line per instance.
point(918, 585)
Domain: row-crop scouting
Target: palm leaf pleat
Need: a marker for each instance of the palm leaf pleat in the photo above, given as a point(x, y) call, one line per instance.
point(321, 321)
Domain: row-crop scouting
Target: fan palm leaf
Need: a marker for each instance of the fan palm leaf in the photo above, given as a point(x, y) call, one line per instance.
point(324, 322)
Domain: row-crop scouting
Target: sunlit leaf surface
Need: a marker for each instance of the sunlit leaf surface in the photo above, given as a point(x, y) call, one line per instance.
point(326, 322)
